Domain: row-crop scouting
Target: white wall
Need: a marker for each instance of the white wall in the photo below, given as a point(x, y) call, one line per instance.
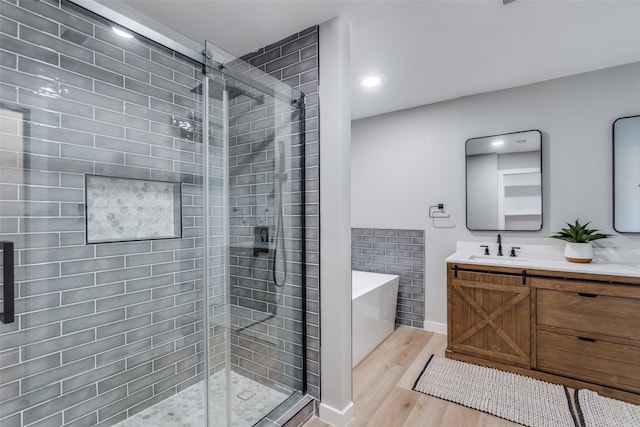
point(336, 406)
point(403, 162)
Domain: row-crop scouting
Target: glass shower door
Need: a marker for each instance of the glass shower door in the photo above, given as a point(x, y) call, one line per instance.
point(157, 246)
point(107, 318)
point(101, 195)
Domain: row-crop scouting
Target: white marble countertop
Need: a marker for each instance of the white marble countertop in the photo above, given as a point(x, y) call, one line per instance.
point(607, 261)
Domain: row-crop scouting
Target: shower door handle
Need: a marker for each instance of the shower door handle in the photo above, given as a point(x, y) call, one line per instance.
point(7, 316)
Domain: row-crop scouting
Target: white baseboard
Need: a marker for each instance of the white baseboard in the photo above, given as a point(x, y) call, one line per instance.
point(336, 417)
point(438, 328)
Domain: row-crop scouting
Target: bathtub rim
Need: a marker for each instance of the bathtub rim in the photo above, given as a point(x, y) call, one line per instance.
point(382, 279)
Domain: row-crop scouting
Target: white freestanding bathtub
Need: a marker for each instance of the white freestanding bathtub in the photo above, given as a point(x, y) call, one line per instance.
point(374, 299)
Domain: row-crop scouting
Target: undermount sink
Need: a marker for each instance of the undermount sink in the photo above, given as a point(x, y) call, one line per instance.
point(498, 259)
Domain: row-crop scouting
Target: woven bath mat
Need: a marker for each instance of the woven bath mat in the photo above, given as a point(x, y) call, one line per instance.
point(599, 411)
point(513, 397)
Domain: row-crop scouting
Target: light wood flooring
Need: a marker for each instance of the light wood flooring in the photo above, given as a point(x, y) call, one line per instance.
point(382, 383)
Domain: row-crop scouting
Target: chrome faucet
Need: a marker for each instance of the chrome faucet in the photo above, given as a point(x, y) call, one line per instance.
point(499, 245)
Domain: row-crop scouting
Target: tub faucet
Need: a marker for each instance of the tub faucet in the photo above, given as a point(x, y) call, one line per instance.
point(499, 245)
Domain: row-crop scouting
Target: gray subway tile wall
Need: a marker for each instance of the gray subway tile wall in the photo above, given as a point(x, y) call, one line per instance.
point(274, 348)
point(106, 330)
point(399, 252)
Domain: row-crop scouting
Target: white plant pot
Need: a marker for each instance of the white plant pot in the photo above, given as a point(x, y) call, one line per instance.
point(578, 252)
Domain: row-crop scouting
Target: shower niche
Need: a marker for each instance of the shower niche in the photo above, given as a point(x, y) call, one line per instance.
point(125, 209)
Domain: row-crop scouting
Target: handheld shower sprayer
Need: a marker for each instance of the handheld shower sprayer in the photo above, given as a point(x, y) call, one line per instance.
point(280, 177)
point(281, 156)
point(281, 161)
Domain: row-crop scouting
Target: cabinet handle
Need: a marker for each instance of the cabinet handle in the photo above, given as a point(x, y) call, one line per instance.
point(582, 294)
point(586, 339)
point(7, 316)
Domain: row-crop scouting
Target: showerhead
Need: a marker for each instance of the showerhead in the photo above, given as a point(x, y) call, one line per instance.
point(216, 89)
point(74, 36)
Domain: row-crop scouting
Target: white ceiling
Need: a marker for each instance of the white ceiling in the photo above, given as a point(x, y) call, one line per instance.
point(430, 50)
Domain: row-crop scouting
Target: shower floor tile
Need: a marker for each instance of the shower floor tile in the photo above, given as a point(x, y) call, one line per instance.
point(250, 402)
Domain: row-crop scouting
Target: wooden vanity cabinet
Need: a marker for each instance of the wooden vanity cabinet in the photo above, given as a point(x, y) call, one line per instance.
point(489, 316)
point(577, 329)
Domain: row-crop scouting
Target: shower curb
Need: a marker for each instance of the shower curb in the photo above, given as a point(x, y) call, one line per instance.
point(294, 412)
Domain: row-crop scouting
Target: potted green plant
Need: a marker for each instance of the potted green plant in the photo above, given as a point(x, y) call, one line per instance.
point(579, 238)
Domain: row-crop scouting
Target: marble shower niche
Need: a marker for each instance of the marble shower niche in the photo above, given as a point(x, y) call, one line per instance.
point(125, 209)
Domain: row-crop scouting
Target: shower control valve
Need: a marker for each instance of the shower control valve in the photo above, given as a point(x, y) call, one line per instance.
point(260, 240)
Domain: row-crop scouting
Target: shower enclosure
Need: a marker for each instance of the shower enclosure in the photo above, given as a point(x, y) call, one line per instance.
point(152, 227)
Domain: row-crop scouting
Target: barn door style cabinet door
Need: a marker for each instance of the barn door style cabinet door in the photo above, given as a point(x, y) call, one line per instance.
point(489, 316)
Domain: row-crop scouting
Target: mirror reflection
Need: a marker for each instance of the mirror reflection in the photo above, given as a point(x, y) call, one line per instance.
point(504, 182)
point(626, 174)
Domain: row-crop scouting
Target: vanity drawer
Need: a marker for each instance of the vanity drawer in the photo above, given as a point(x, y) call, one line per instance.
point(600, 362)
point(589, 312)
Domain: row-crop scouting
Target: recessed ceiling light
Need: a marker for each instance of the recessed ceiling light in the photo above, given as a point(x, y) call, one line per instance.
point(121, 33)
point(496, 143)
point(371, 81)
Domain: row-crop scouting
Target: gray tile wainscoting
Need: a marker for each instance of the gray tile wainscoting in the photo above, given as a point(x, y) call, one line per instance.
point(398, 252)
point(271, 347)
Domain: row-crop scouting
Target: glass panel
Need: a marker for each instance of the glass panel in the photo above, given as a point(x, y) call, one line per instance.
point(108, 332)
point(217, 226)
point(265, 281)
